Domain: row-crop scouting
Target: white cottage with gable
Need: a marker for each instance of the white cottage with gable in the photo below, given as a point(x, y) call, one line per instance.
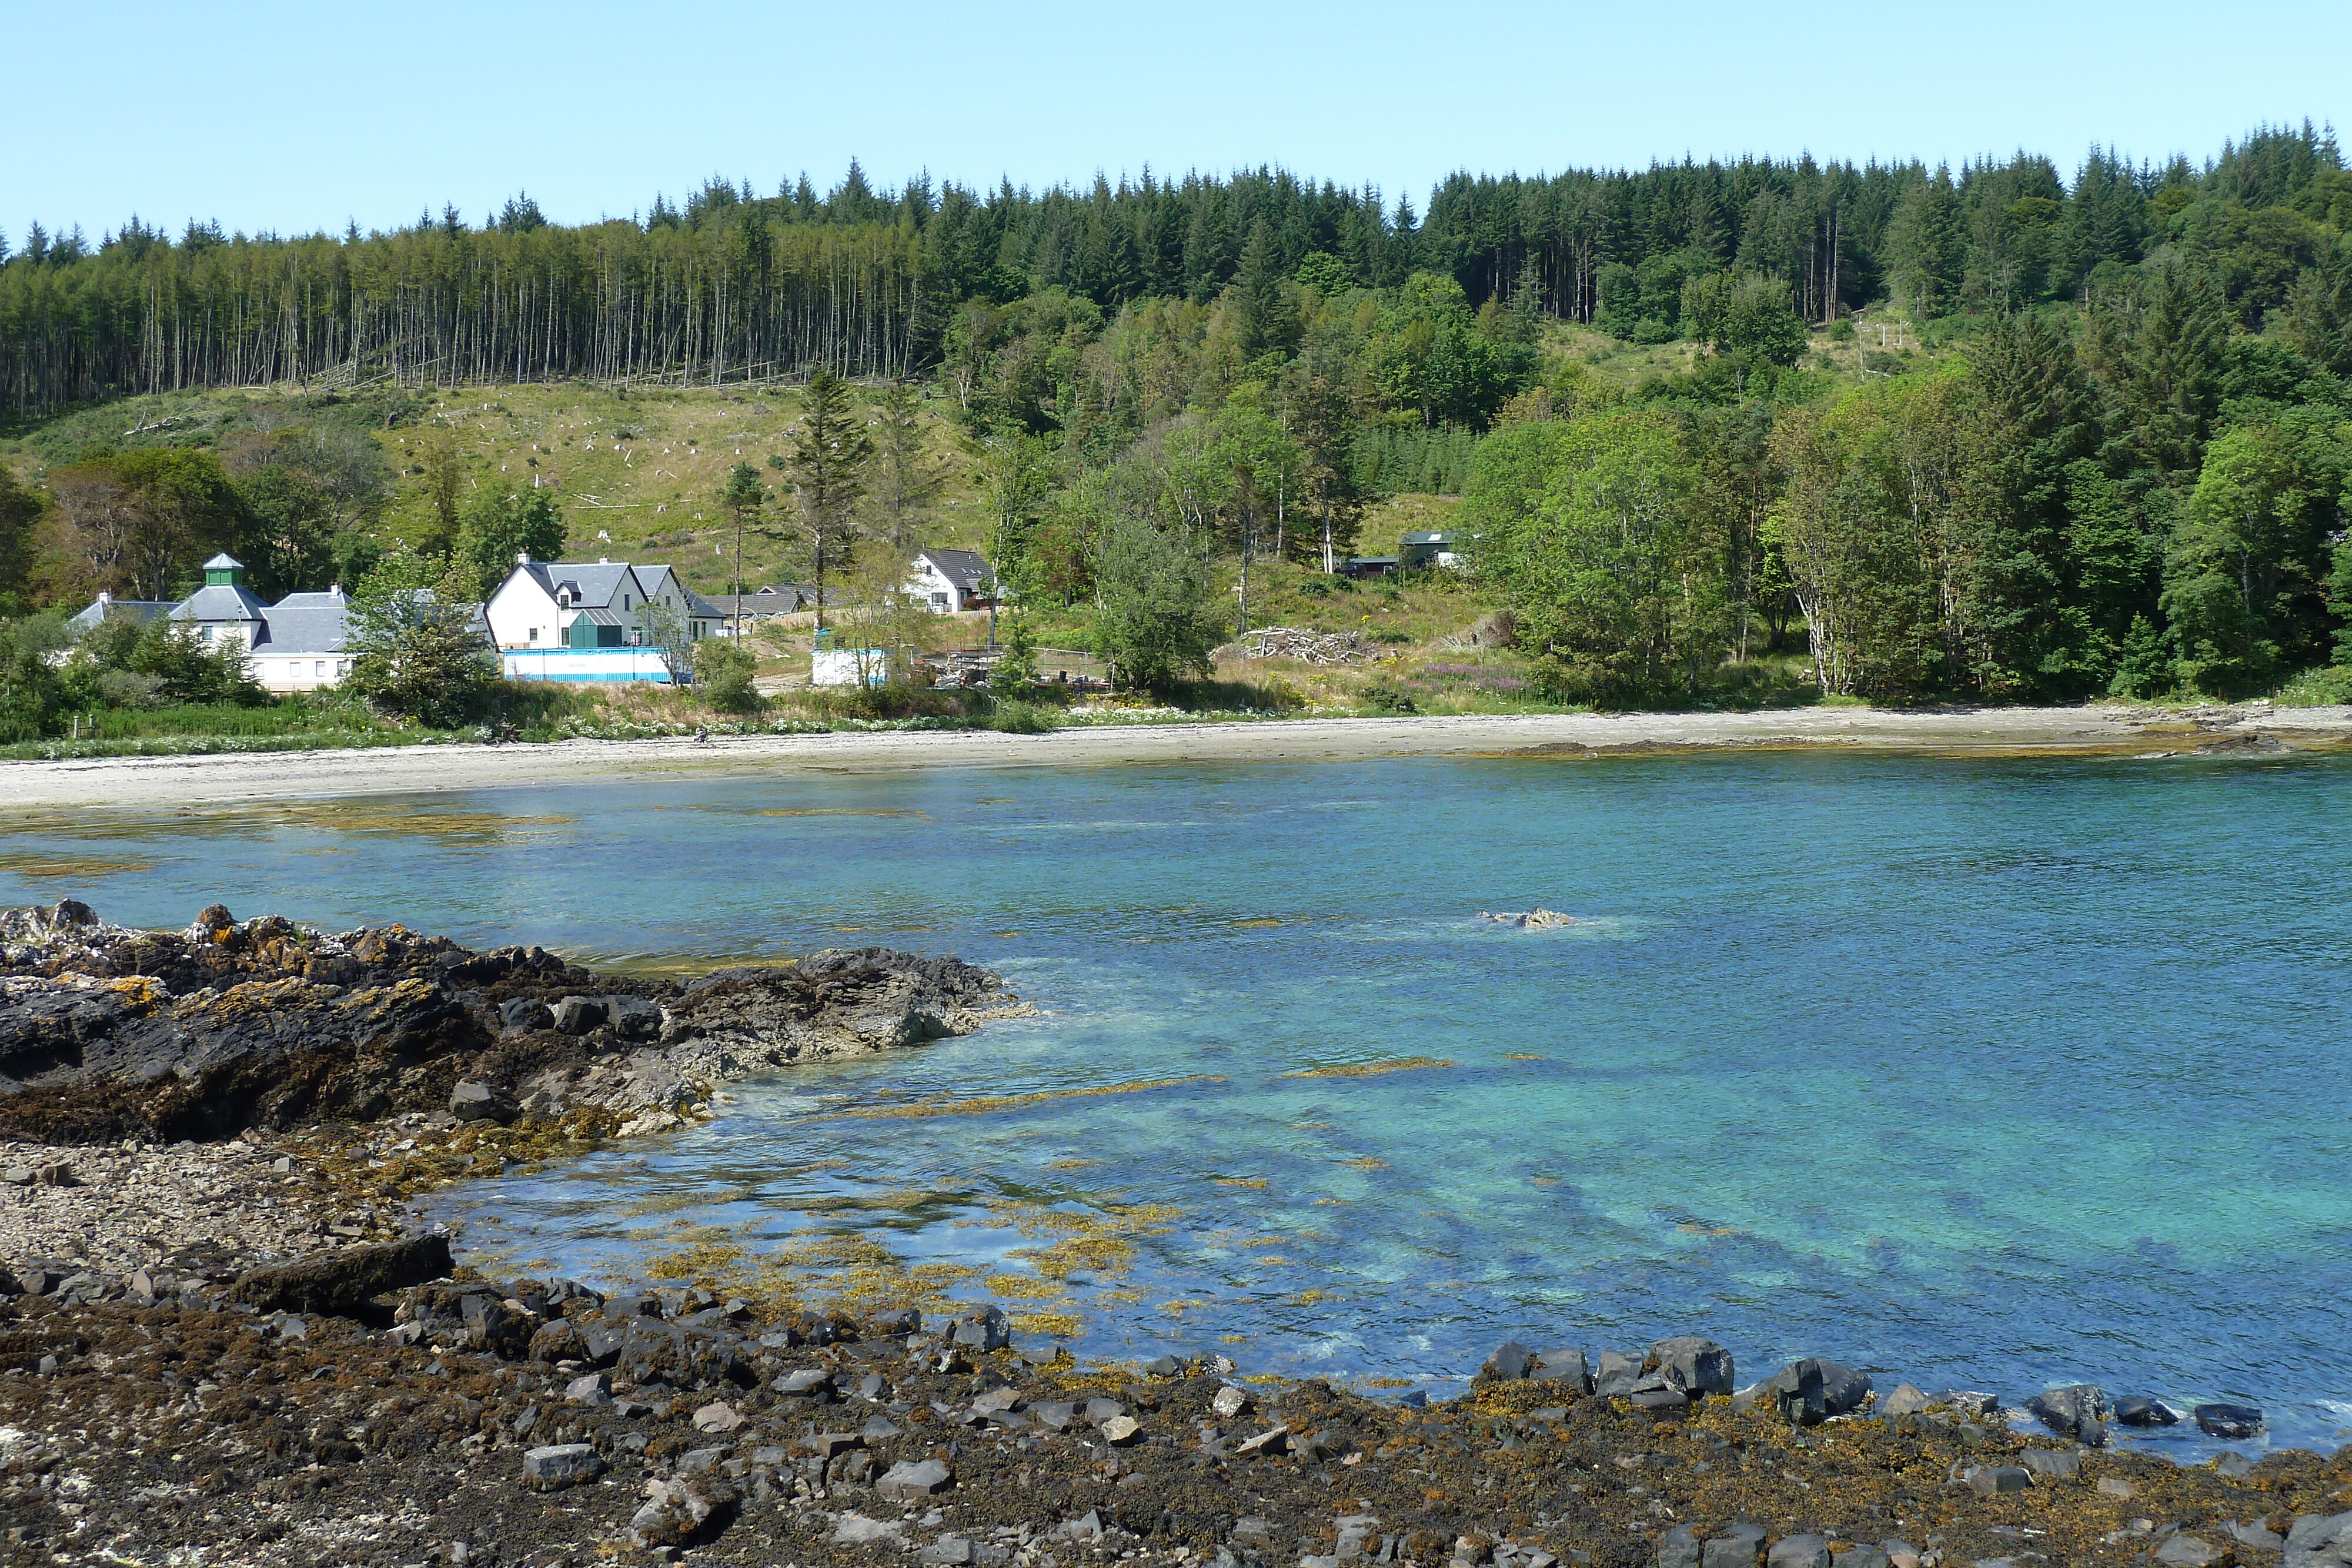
point(592, 604)
point(950, 581)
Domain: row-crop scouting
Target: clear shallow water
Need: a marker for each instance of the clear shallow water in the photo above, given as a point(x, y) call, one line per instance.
point(1985, 1075)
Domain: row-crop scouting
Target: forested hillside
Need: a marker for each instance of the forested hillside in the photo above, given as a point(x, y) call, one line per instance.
point(2005, 430)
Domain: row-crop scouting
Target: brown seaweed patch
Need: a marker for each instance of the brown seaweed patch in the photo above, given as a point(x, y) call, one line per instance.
point(988, 1104)
point(409, 821)
point(828, 812)
point(53, 865)
point(1372, 1068)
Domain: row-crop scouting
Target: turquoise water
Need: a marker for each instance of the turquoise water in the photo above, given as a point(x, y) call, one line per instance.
point(1975, 1073)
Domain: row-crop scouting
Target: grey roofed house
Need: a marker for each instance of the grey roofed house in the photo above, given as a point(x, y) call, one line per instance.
point(306, 624)
point(967, 569)
point(140, 610)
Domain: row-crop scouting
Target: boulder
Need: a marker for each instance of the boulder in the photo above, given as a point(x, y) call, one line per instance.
point(2139, 1410)
point(633, 1018)
point(2187, 1551)
point(494, 1326)
point(1660, 1390)
point(1680, 1548)
point(909, 1482)
point(1229, 1401)
point(563, 1464)
point(474, 1101)
point(1906, 1400)
point(579, 1015)
point(895, 1323)
point(592, 1389)
point(2319, 1541)
point(2079, 1411)
point(984, 1330)
point(1737, 1547)
point(677, 1511)
point(1995, 1480)
point(718, 1417)
point(2255, 1533)
point(1054, 1415)
point(2053, 1461)
point(1167, 1366)
point(1565, 1367)
point(1619, 1373)
point(1799, 1551)
point(525, 1013)
point(1120, 1431)
point(341, 1281)
point(653, 1351)
point(1701, 1366)
point(1510, 1361)
point(2228, 1422)
point(2233, 1465)
point(1811, 1391)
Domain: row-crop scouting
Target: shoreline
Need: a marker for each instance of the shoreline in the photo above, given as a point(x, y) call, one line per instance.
point(240, 778)
point(258, 1316)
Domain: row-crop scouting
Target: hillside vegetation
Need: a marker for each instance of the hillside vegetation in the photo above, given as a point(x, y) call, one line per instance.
point(1730, 433)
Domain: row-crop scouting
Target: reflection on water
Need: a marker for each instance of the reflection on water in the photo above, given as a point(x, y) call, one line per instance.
point(1977, 1073)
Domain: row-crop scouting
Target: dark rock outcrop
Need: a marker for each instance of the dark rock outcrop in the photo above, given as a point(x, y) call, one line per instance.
point(107, 1032)
point(341, 1281)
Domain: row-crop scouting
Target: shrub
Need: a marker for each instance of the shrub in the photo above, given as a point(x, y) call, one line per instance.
point(724, 669)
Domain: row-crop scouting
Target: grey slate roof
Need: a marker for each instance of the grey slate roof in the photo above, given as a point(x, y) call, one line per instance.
point(306, 623)
point(142, 610)
point(224, 562)
point(217, 603)
point(700, 608)
point(964, 567)
point(594, 583)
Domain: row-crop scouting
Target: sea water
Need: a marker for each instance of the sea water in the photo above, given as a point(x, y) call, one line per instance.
point(1975, 1073)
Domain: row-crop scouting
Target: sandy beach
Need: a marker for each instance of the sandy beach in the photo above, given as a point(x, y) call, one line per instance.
point(230, 780)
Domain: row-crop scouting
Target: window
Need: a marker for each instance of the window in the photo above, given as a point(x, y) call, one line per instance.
point(319, 666)
point(534, 634)
point(938, 601)
point(624, 601)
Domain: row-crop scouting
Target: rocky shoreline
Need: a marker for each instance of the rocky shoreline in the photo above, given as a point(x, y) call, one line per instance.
point(219, 1345)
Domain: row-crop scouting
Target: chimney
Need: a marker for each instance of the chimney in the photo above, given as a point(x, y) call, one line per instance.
point(104, 598)
point(334, 590)
point(603, 560)
point(522, 557)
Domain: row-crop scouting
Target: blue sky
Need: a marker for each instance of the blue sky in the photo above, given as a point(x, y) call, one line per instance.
point(295, 118)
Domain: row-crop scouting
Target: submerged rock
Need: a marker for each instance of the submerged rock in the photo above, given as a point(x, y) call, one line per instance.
point(2229, 1422)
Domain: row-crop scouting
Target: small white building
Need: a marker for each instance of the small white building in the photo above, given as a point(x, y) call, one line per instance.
point(950, 581)
point(848, 667)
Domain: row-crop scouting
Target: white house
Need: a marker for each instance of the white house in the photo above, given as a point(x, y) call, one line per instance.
point(952, 579)
point(594, 604)
point(293, 645)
